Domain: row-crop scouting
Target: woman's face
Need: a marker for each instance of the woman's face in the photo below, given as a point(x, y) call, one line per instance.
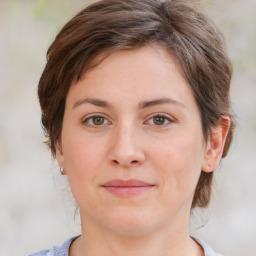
point(133, 117)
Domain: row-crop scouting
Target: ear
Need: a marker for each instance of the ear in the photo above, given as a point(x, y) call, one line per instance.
point(59, 154)
point(215, 144)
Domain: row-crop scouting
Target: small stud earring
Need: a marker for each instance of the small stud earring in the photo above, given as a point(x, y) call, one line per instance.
point(62, 171)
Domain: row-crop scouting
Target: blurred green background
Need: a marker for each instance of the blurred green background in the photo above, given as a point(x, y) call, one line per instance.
point(37, 210)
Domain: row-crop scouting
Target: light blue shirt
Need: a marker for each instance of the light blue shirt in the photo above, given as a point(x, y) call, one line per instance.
point(62, 250)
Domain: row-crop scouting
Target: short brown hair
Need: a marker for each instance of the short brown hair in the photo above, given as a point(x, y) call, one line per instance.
point(107, 26)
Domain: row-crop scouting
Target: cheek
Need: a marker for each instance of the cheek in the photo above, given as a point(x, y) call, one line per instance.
point(179, 161)
point(83, 157)
point(80, 149)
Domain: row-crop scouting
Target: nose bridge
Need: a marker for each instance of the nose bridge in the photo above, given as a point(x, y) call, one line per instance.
point(126, 149)
point(125, 132)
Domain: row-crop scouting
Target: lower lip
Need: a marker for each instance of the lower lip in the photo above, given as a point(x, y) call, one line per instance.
point(128, 191)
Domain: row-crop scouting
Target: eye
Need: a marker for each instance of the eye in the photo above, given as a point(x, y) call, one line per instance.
point(160, 120)
point(95, 120)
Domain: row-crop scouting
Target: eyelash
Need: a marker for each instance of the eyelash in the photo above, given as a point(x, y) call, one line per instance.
point(87, 119)
point(166, 118)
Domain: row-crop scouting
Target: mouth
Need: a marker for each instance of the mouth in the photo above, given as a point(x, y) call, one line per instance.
point(125, 188)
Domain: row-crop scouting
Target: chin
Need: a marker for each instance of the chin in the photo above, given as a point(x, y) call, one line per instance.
point(130, 223)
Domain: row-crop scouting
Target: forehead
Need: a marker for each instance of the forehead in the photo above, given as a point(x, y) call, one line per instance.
point(141, 72)
point(146, 59)
point(146, 52)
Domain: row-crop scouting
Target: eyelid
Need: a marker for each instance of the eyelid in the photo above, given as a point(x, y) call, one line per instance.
point(157, 114)
point(168, 117)
point(88, 117)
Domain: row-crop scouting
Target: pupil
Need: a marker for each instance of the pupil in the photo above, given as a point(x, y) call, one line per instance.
point(98, 120)
point(159, 120)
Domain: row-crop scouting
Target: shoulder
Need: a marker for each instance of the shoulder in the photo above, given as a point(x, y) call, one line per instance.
point(208, 251)
point(58, 250)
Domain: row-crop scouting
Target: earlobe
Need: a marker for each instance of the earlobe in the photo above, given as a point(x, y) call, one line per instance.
point(59, 154)
point(215, 144)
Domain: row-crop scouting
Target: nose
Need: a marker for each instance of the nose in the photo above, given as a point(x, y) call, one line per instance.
point(126, 149)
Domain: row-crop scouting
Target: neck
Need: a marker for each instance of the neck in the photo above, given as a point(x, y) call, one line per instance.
point(163, 242)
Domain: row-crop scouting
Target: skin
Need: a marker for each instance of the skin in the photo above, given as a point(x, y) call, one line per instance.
point(128, 142)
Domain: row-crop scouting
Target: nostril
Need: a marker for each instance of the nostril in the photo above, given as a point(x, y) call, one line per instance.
point(115, 161)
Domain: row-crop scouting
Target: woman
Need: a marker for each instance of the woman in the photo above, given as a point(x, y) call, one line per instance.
point(135, 106)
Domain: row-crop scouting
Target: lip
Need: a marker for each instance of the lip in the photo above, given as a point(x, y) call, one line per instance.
point(127, 187)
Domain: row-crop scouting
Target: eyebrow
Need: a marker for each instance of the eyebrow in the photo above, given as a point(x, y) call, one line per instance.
point(96, 102)
point(146, 104)
point(142, 105)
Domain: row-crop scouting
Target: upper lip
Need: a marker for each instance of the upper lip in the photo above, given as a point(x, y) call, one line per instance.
point(126, 183)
